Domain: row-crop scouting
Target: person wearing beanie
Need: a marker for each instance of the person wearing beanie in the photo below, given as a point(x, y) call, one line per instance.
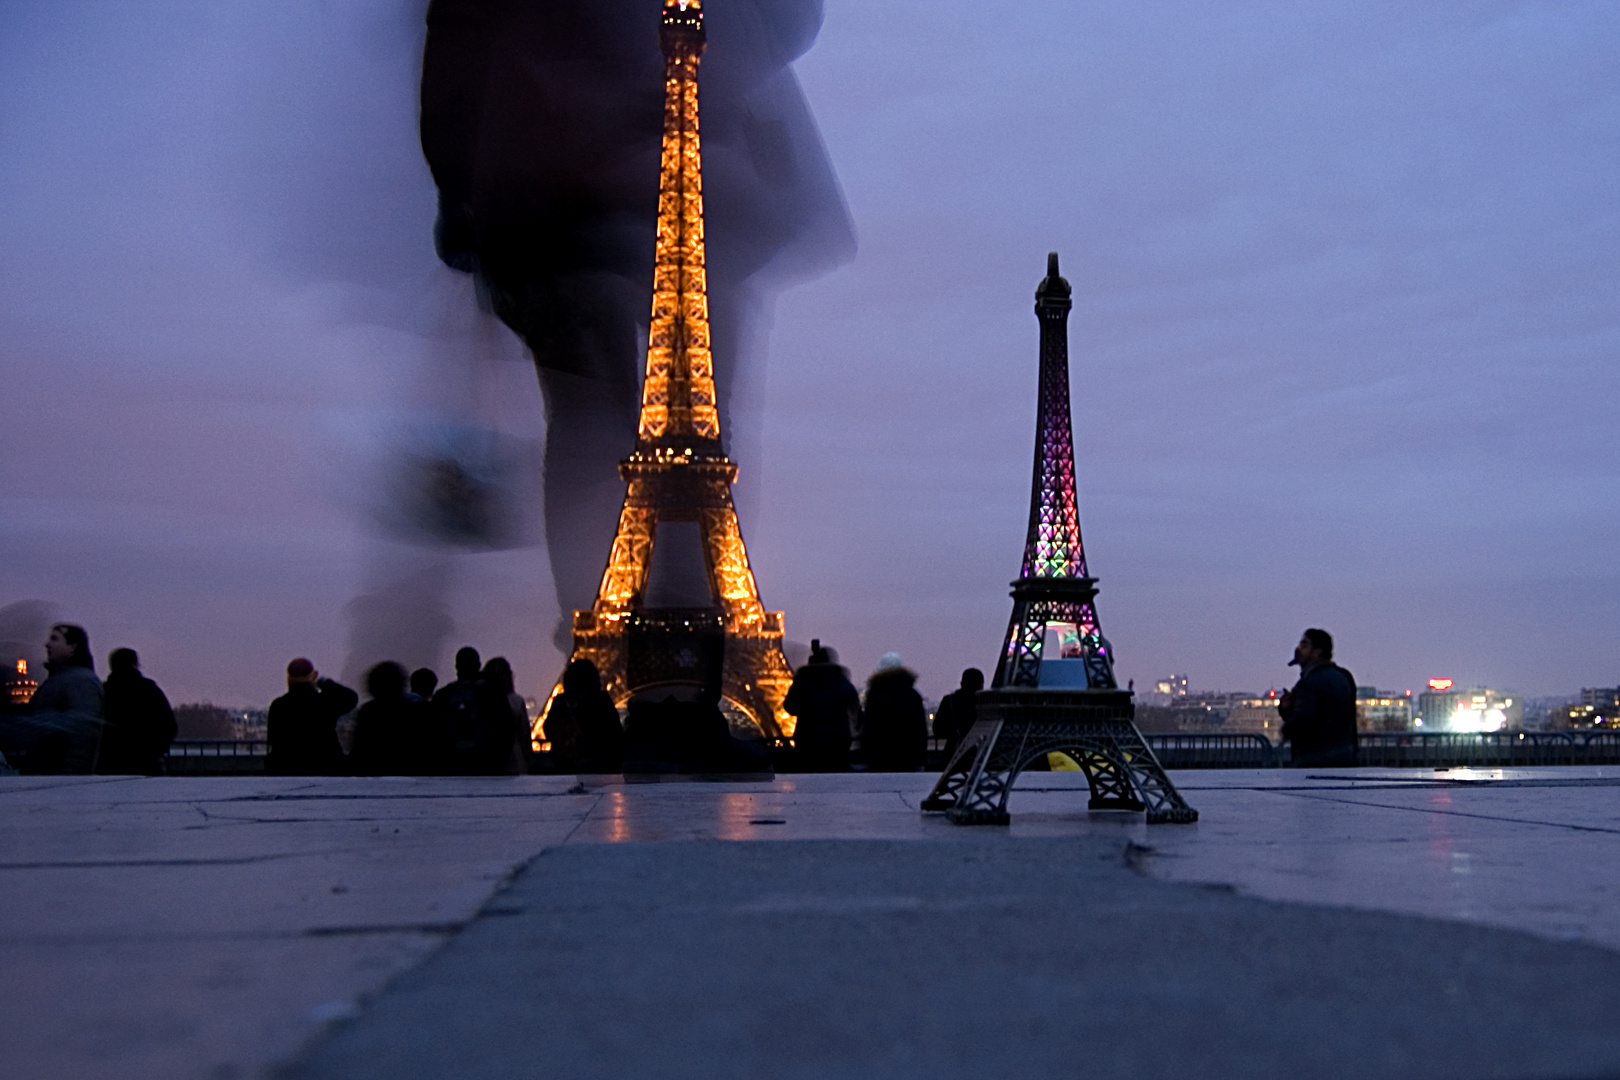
point(302, 724)
point(895, 735)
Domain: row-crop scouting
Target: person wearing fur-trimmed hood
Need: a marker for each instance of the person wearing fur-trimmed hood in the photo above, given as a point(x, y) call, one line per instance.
point(894, 737)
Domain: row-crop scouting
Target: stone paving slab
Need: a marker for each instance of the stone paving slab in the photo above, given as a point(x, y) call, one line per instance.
point(210, 927)
point(983, 956)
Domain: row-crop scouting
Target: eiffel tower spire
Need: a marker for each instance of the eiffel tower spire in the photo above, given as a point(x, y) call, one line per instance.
point(1054, 590)
point(677, 396)
point(678, 604)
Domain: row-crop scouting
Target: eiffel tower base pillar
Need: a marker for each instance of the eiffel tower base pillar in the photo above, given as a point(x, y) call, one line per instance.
point(1016, 726)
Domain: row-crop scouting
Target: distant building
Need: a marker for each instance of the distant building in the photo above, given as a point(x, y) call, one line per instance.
point(1605, 699)
point(1383, 710)
point(1255, 715)
point(1599, 707)
point(1481, 709)
point(1173, 687)
point(1201, 712)
point(203, 720)
point(1242, 713)
point(249, 723)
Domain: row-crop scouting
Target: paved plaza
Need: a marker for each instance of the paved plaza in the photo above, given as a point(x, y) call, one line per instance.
point(1334, 923)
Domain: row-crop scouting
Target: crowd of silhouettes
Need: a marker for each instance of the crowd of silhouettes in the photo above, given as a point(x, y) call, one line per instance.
point(477, 725)
point(837, 730)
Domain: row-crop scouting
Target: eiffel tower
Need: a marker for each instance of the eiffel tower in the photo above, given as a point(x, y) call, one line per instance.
point(1038, 704)
point(678, 604)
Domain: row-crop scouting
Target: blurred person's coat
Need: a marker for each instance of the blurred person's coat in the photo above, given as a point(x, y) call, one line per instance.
point(894, 737)
point(61, 732)
point(828, 709)
point(395, 736)
point(139, 725)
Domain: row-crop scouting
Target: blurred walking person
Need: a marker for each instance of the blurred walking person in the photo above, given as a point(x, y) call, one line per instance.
point(61, 731)
point(302, 725)
point(393, 732)
point(828, 709)
point(959, 711)
point(894, 736)
point(139, 721)
point(583, 724)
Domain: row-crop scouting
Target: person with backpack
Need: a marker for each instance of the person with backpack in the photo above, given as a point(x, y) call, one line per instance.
point(392, 731)
point(583, 726)
point(828, 709)
point(457, 705)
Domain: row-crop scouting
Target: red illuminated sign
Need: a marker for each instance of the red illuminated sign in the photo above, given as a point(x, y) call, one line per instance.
point(1440, 684)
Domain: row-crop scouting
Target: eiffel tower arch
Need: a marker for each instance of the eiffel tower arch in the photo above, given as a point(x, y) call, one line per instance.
point(678, 604)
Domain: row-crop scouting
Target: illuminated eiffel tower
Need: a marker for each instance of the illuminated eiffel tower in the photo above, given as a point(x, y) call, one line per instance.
point(678, 605)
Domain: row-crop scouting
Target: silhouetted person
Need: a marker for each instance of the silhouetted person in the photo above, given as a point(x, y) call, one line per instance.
point(1319, 713)
point(828, 708)
point(456, 705)
point(61, 732)
point(585, 715)
point(894, 737)
point(302, 725)
point(423, 682)
point(956, 714)
point(139, 722)
point(393, 732)
point(504, 720)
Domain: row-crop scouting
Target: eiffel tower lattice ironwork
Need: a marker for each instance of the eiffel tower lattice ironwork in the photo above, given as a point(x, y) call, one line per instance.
point(1071, 702)
point(678, 478)
point(1053, 590)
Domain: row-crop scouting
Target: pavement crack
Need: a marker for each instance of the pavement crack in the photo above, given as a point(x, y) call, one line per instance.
point(1452, 813)
point(109, 864)
point(386, 928)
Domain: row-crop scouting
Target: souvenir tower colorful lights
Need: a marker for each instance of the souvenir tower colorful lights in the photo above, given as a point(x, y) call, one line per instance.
point(1069, 704)
point(1054, 590)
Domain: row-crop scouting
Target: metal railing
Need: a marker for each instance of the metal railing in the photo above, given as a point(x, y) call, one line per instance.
point(1487, 748)
point(219, 748)
point(215, 757)
point(1179, 750)
point(1216, 750)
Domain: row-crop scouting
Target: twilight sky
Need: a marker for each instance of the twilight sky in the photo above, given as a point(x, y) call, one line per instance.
point(1346, 310)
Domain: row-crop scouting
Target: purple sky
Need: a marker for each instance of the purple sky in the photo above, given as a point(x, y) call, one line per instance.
point(1345, 316)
